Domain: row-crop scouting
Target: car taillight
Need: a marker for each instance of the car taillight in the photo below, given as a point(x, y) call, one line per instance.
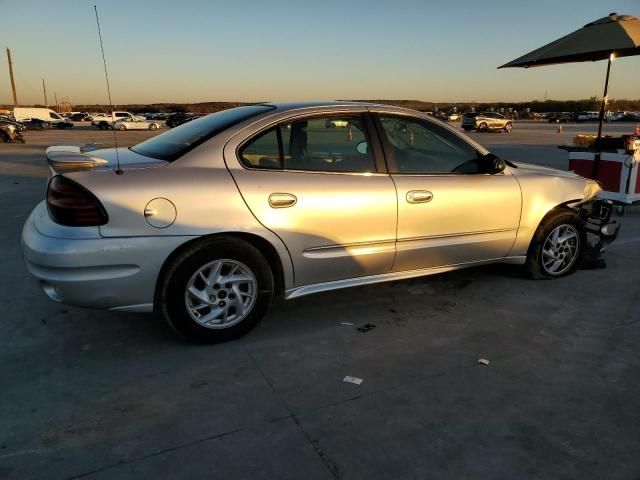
point(70, 204)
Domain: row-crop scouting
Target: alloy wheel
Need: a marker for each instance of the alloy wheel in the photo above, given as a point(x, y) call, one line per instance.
point(221, 293)
point(560, 249)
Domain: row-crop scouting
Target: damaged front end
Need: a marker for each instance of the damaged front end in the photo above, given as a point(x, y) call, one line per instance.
point(596, 217)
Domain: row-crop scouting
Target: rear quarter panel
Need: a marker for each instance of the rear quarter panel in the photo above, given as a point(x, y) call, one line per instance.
point(200, 187)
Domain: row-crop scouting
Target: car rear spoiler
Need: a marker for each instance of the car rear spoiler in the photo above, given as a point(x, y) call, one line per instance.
point(69, 158)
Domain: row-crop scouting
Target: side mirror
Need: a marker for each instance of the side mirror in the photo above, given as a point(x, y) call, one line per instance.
point(362, 147)
point(492, 164)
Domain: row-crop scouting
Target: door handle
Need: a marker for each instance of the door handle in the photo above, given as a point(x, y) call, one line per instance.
point(419, 196)
point(282, 200)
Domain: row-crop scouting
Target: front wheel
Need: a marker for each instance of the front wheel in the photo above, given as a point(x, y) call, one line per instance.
point(216, 290)
point(153, 126)
point(508, 127)
point(122, 127)
point(558, 245)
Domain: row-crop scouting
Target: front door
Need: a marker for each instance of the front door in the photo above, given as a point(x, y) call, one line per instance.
point(449, 211)
point(315, 183)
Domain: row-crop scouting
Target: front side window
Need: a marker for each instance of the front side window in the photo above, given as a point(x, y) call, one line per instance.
point(420, 146)
point(54, 116)
point(319, 144)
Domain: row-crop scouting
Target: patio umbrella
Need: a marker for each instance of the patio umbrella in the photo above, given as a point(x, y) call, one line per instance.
point(606, 38)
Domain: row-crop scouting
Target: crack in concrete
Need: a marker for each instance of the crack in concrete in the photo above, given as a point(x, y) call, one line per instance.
point(324, 458)
point(154, 454)
point(329, 464)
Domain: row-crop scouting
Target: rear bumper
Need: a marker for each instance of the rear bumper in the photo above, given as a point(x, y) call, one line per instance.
point(107, 273)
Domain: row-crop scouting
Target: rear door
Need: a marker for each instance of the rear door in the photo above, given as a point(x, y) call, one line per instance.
point(449, 211)
point(323, 190)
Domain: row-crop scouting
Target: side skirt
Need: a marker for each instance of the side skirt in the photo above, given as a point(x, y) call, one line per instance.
point(392, 276)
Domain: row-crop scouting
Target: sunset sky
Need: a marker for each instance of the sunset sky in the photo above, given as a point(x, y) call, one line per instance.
point(190, 51)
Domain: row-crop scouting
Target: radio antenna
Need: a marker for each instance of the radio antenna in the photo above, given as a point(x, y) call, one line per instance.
point(106, 76)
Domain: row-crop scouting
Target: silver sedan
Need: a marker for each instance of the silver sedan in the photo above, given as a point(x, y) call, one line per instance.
point(205, 223)
point(136, 124)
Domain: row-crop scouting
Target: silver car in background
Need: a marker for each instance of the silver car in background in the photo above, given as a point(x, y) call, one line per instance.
point(136, 123)
point(205, 223)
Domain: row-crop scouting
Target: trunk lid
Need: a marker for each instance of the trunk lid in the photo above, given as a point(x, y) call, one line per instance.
point(69, 158)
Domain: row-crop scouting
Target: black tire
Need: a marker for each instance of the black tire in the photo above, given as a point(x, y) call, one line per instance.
point(4, 138)
point(170, 293)
point(483, 127)
point(508, 127)
point(153, 126)
point(122, 128)
point(561, 216)
point(467, 129)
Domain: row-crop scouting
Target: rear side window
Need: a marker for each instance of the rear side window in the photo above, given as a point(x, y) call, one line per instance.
point(176, 142)
point(263, 151)
point(318, 144)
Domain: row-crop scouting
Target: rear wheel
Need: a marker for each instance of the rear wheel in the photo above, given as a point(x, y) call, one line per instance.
point(153, 126)
point(122, 127)
point(558, 245)
point(483, 127)
point(467, 129)
point(216, 290)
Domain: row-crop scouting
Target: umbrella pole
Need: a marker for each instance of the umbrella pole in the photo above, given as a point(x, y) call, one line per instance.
point(596, 160)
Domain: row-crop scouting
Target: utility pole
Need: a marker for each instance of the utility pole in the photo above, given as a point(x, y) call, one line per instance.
point(13, 83)
point(44, 87)
point(55, 95)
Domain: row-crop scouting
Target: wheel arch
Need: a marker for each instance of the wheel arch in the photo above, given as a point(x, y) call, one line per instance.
point(526, 233)
point(566, 206)
point(263, 245)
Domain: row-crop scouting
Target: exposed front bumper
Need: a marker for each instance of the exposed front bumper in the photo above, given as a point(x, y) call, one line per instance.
point(596, 216)
point(108, 273)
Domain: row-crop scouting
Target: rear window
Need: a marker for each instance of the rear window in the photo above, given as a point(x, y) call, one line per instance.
point(471, 114)
point(173, 144)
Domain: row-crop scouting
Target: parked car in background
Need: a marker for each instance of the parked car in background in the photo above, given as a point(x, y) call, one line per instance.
point(627, 117)
point(10, 130)
point(136, 124)
point(79, 117)
point(485, 122)
point(45, 114)
point(335, 123)
point(208, 221)
point(35, 124)
point(587, 116)
point(179, 118)
point(560, 117)
point(453, 117)
point(97, 116)
point(106, 122)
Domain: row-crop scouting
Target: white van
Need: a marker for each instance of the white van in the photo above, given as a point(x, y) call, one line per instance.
point(45, 114)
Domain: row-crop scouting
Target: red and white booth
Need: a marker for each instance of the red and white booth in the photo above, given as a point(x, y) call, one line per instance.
point(617, 170)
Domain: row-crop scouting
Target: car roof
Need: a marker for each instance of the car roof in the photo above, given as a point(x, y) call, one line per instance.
point(283, 106)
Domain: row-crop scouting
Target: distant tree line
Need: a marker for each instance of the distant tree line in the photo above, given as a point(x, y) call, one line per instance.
point(534, 106)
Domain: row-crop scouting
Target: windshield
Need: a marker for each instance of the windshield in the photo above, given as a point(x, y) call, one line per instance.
point(176, 142)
